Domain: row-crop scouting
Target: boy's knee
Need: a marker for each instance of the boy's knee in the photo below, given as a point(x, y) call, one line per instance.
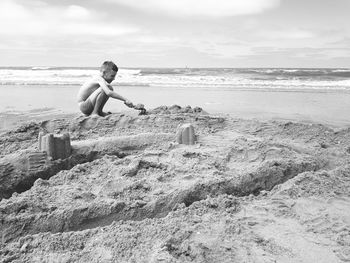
point(103, 94)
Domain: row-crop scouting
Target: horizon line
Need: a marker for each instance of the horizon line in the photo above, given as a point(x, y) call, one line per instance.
point(169, 67)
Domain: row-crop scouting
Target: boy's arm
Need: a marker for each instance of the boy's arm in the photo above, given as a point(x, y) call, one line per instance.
point(108, 89)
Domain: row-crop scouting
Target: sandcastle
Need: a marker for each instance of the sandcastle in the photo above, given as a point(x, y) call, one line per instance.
point(185, 134)
point(56, 146)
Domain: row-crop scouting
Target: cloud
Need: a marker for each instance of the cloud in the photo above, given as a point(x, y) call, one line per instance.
point(344, 42)
point(76, 12)
point(15, 19)
point(40, 19)
point(213, 8)
point(303, 52)
point(287, 34)
point(97, 29)
point(148, 39)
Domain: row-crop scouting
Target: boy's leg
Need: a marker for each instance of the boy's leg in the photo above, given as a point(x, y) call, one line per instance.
point(94, 104)
point(99, 100)
point(87, 106)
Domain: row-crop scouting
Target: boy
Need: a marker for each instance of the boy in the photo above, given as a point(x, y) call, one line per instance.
point(94, 94)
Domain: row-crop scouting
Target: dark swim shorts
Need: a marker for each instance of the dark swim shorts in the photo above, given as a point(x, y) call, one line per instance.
point(86, 107)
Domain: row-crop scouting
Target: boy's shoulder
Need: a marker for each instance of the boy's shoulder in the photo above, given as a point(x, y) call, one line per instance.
point(95, 80)
point(99, 79)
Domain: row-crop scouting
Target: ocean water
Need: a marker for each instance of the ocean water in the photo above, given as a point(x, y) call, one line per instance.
point(220, 78)
point(316, 95)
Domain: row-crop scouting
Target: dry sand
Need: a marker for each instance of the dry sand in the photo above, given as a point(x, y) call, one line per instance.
point(247, 191)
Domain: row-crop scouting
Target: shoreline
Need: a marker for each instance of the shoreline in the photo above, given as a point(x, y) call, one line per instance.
point(329, 109)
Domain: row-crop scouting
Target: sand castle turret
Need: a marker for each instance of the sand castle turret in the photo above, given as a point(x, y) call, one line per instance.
point(185, 134)
point(56, 146)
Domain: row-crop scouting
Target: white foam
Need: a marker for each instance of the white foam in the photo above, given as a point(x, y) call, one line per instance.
point(198, 79)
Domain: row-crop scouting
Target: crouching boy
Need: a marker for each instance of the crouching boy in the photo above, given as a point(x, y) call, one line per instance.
point(94, 94)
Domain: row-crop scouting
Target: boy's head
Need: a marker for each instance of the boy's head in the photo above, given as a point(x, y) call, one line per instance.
point(109, 71)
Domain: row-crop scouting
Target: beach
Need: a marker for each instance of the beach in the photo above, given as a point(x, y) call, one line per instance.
point(247, 191)
point(328, 108)
point(174, 131)
point(303, 95)
point(267, 179)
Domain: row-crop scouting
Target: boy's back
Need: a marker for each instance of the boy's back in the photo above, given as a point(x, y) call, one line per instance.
point(87, 89)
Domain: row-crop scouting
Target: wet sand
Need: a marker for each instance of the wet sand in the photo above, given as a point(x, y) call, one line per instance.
point(325, 107)
point(248, 191)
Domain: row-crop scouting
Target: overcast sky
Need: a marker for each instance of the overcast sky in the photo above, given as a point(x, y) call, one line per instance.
point(176, 33)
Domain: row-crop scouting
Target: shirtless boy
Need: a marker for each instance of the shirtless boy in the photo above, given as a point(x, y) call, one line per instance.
point(94, 94)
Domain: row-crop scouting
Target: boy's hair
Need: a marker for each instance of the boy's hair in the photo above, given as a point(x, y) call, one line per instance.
point(108, 66)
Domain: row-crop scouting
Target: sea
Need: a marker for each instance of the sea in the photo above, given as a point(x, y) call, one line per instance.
point(311, 94)
point(285, 79)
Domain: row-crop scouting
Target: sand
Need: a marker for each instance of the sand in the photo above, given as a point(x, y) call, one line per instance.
point(247, 191)
point(318, 106)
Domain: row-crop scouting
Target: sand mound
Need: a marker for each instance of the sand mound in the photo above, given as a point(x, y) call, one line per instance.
point(247, 191)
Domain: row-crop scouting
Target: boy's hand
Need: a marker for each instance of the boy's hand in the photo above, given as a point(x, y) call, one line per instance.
point(129, 103)
point(139, 106)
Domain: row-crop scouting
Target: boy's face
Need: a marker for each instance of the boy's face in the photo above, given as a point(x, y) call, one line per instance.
point(109, 76)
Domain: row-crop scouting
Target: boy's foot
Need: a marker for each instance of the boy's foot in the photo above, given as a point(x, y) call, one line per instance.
point(95, 115)
point(104, 114)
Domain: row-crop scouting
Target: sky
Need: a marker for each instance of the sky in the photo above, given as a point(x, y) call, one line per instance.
point(175, 33)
